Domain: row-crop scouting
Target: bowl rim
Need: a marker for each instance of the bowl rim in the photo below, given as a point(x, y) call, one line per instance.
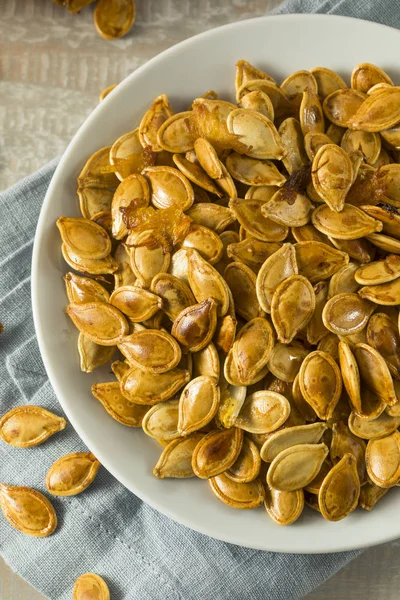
point(376, 537)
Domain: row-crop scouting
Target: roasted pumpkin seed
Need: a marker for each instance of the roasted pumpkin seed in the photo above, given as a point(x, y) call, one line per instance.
point(28, 426)
point(27, 510)
point(72, 474)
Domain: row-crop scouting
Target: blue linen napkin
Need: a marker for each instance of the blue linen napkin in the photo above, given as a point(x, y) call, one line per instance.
point(107, 530)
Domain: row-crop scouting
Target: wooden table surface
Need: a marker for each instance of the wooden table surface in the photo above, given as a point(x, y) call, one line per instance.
point(53, 66)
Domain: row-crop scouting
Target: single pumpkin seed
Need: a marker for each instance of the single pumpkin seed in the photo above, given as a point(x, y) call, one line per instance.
point(263, 412)
point(198, 404)
point(380, 427)
point(72, 474)
point(216, 452)
point(341, 106)
point(176, 458)
point(320, 382)
point(251, 218)
point(378, 111)
point(292, 436)
point(28, 426)
point(151, 350)
point(195, 326)
point(375, 372)
point(84, 238)
point(383, 460)
point(284, 507)
point(93, 355)
point(121, 409)
point(140, 387)
point(285, 360)
point(292, 307)
point(237, 494)
point(317, 261)
point(90, 587)
point(340, 490)
point(346, 313)
point(332, 175)
point(253, 171)
point(383, 335)
point(161, 421)
point(206, 282)
point(101, 323)
point(295, 467)
point(27, 510)
point(136, 303)
point(247, 466)
point(348, 224)
point(343, 442)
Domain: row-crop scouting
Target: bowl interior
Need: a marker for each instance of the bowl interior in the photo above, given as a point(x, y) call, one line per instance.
point(280, 45)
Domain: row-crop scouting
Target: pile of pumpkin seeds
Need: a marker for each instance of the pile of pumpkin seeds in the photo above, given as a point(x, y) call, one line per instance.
point(239, 264)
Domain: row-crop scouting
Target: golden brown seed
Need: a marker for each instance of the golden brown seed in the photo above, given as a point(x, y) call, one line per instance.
point(285, 360)
point(150, 255)
point(84, 238)
point(251, 218)
point(292, 307)
point(256, 132)
point(247, 465)
point(89, 266)
point(94, 200)
point(348, 224)
point(216, 452)
point(205, 241)
point(292, 140)
point(320, 382)
point(278, 267)
point(332, 175)
point(346, 313)
point(378, 111)
point(316, 329)
point(252, 252)
point(95, 174)
point(385, 242)
point(237, 495)
point(196, 175)
point(72, 474)
point(383, 335)
point(102, 323)
point(295, 467)
point(159, 111)
point(198, 404)
point(28, 426)
point(341, 106)
point(385, 294)
point(169, 188)
point(252, 348)
point(174, 293)
point(90, 587)
point(176, 458)
point(366, 75)
point(151, 350)
point(206, 282)
point(381, 271)
point(210, 215)
point(379, 427)
point(344, 280)
point(259, 102)
point(343, 442)
point(195, 326)
point(242, 283)
point(93, 355)
point(134, 191)
point(351, 375)
point(208, 158)
point(136, 303)
point(113, 19)
point(284, 507)
point(311, 113)
point(83, 289)
point(121, 409)
point(150, 388)
point(375, 372)
point(317, 261)
point(340, 490)
point(382, 458)
point(306, 411)
point(253, 171)
point(27, 510)
point(288, 207)
point(161, 421)
point(291, 436)
point(327, 81)
point(263, 412)
point(175, 133)
point(370, 494)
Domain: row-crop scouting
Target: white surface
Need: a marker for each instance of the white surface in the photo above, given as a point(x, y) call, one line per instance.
point(190, 502)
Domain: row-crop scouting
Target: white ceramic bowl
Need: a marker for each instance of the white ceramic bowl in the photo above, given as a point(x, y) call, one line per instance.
point(280, 45)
